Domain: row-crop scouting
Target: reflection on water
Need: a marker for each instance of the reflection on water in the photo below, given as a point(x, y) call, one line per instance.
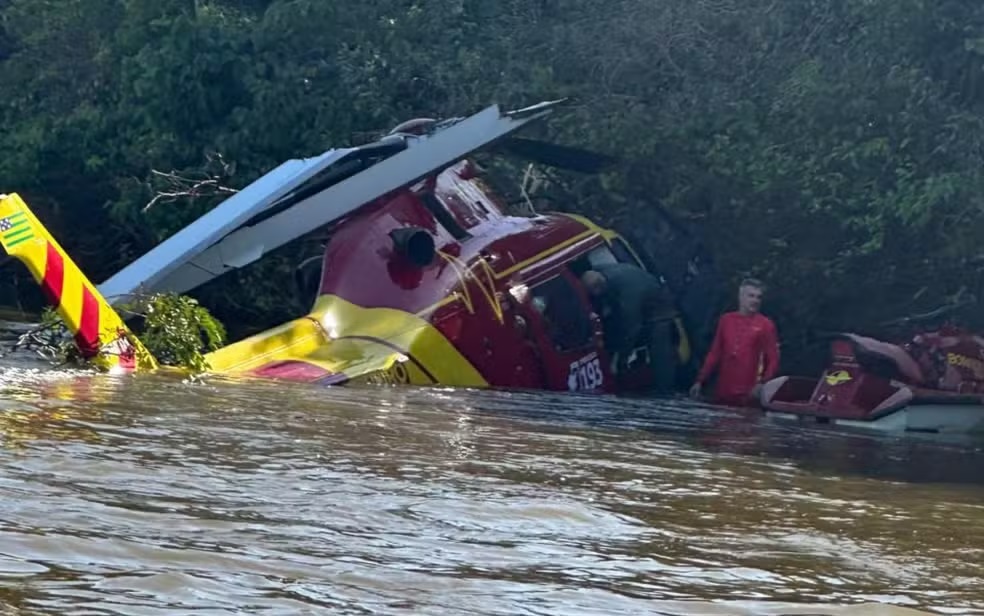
point(153, 496)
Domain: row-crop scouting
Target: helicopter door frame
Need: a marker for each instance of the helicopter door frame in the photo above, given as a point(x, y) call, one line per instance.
point(638, 376)
point(571, 345)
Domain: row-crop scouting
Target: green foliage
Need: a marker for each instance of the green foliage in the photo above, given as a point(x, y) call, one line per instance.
point(834, 148)
point(176, 330)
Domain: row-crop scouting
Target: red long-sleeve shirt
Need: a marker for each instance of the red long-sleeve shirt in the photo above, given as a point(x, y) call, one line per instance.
point(745, 352)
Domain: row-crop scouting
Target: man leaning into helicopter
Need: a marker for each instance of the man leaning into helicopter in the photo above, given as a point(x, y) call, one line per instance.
point(636, 310)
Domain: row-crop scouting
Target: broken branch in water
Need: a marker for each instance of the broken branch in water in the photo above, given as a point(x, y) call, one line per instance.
point(175, 329)
point(177, 186)
point(50, 340)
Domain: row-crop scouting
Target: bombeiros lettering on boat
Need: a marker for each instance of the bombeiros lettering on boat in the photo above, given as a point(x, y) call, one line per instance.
point(837, 377)
point(963, 361)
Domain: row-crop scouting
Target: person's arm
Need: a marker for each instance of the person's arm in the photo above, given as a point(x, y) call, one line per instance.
point(713, 355)
point(770, 351)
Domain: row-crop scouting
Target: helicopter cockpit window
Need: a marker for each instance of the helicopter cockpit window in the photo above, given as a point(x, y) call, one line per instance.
point(443, 216)
point(563, 314)
point(597, 256)
point(622, 253)
point(600, 256)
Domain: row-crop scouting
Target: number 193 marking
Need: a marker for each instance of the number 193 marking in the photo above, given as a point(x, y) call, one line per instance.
point(585, 374)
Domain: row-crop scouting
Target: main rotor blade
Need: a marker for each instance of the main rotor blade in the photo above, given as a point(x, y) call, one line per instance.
point(303, 195)
point(556, 155)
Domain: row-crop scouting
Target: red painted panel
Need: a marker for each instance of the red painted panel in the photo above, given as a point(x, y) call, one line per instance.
point(54, 276)
point(292, 370)
point(568, 336)
point(87, 338)
point(363, 267)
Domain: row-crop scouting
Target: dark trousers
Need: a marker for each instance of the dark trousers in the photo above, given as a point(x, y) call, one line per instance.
point(658, 339)
point(662, 354)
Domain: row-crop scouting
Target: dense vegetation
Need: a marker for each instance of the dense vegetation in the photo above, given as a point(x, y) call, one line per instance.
point(830, 147)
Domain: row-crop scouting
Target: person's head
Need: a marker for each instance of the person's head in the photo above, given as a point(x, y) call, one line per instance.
point(750, 293)
point(594, 282)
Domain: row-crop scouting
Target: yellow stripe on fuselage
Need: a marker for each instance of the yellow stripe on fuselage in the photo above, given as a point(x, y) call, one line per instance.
point(341, 337)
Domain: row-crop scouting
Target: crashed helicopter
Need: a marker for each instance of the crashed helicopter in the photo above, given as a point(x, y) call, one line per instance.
point(427, 279)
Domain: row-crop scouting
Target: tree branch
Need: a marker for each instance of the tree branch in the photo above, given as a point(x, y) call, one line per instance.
point(176, 186)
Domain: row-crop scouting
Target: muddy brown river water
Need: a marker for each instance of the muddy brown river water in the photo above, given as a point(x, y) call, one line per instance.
point(147, 495)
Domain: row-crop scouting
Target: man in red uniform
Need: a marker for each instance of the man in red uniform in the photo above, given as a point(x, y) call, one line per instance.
point(745, 351)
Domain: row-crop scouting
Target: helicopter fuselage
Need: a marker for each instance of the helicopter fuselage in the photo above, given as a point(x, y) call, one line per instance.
point(437, 285)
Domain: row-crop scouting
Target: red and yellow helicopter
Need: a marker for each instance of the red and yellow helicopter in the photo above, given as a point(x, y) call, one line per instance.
point(427, 278)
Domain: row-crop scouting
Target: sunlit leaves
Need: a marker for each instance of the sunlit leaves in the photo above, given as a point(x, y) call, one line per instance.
point(178, 331)
point(175, 329)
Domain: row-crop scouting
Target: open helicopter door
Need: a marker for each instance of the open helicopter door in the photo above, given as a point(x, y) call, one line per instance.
point(300, 196)
point(568, 335)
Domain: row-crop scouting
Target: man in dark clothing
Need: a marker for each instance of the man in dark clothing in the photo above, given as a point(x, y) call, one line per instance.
point(636, 310)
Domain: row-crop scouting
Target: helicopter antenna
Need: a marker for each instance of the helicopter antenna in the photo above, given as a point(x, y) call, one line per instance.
point(528, 178)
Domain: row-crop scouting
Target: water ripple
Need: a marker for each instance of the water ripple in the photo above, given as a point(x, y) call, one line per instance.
point(149, 495)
